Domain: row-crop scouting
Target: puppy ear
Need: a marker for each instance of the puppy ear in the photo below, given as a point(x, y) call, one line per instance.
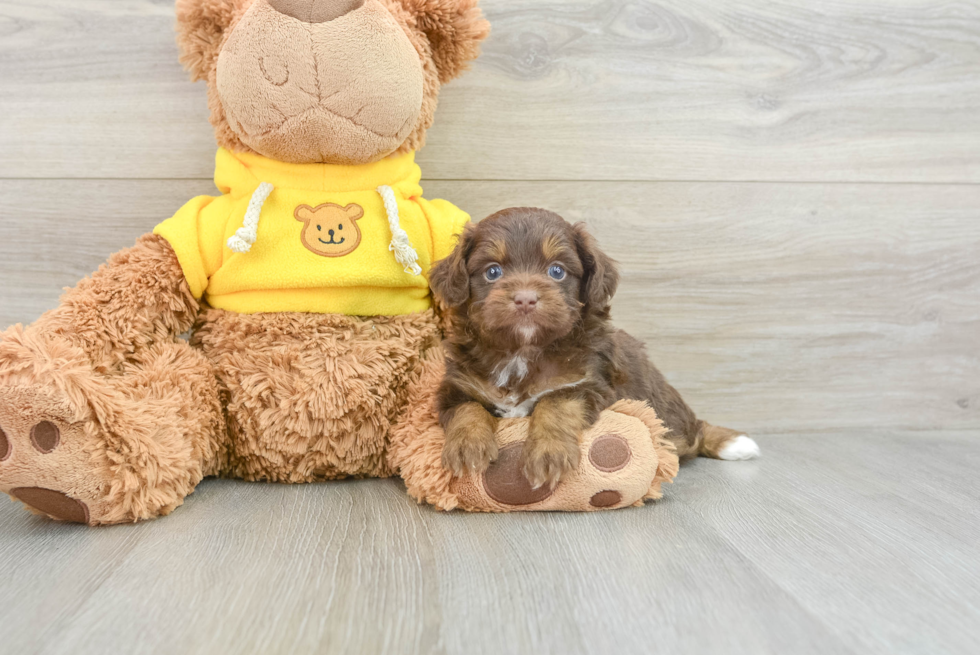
point(601, 278)
point(354, 212)
point(454, 29)
point(201, 25)
point(449, 279)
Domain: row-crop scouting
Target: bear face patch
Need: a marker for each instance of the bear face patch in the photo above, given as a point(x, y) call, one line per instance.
point(330, 230)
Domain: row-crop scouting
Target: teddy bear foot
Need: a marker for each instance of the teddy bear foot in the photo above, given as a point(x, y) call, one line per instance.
point(43, 463)
point(624, 460)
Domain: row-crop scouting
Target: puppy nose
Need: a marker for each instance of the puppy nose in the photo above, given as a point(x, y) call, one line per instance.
point(315, 11)
point(526, 300)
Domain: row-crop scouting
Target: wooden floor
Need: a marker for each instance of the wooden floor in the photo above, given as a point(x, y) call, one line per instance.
point(845, 543)
point(792, 189)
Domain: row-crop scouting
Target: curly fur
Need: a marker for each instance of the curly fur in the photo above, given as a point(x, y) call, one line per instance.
point(312, 396)
point(107, 364)
point(454, 30)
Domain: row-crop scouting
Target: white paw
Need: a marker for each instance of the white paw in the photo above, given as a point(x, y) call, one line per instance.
point(741, 447)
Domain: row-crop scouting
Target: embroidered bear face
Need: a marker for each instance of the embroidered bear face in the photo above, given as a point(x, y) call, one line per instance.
point(330, 230)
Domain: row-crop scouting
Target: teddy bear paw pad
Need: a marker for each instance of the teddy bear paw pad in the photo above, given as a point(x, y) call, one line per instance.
point(607, 498)
point(4, 445)
point(610, 453)
point(608, 476)
point(505, 482)
point(55, 504)
point(41, 446)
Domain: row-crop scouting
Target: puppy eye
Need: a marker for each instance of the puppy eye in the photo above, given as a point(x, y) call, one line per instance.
point(556, 272)
point(318, 228)
point(340, 227)
point(493, 273)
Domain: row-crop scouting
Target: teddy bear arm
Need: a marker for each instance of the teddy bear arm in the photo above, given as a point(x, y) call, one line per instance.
point(137, 298)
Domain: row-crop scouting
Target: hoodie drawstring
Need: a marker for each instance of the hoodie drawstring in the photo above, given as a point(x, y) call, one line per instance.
point(400, 245)
point(246, 235)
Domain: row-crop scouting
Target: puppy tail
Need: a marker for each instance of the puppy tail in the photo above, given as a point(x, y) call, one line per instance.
point(724, 443)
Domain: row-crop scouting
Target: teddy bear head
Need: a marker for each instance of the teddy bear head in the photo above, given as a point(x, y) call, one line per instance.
point(326, 81)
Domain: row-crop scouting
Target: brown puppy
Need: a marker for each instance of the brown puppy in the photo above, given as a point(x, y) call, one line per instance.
point(528, 300)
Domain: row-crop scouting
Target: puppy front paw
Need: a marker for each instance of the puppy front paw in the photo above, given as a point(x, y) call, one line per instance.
point(545, 460)
point(469, 454)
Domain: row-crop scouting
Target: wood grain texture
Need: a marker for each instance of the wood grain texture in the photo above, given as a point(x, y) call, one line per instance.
point(793, 192)
point(783, 307)
point(870, 566)
point(772, 307)
point(831, 543)
point(566, 89)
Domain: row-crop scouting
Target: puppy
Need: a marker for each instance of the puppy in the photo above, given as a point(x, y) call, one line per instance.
point(527, 297)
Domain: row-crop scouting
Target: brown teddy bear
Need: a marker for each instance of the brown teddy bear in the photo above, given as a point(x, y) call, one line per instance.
point(304, 283)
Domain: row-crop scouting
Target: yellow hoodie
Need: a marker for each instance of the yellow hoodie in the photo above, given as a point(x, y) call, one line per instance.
point(321, 238)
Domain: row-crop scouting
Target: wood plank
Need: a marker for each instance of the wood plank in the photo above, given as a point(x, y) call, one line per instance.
point(241, 568)
point(566, 89)
point(93, 89)
point(359, 567)
point(650, 580)
point(783, 307)
point(826, 545)
point(53, 233)
point(842, 522)
point(772, 307)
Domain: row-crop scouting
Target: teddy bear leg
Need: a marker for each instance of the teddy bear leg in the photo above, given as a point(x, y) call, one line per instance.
point(105, 416)
point(624, 459)
point(100, 450)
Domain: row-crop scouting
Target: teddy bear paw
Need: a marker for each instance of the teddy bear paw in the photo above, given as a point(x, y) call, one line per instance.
point(617, 465)
point(42, 454)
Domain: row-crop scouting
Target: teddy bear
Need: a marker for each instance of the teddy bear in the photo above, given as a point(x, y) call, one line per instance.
point(314, 348)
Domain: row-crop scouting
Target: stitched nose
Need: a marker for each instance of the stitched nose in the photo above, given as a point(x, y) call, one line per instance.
point(315, 11)
point(330, 232)
point(526, 300)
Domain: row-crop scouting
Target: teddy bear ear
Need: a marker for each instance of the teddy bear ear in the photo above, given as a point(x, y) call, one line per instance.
point(454, 29)
point(303, 213)
point(201, 24)
point(353, 211)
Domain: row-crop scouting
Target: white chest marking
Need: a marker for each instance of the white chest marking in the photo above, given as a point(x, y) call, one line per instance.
point(515, 368)
point(510, 408)
point(528, 332)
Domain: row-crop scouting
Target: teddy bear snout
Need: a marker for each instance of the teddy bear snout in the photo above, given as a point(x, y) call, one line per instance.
point(345, 91)
point(315, 11)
